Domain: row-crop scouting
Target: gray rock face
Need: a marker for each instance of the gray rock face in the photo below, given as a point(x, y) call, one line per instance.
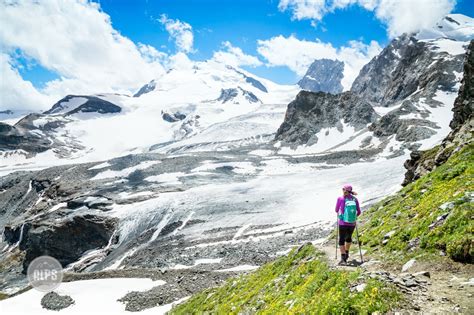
point(464, 104)
point(172, 117)
point(324, 75)
point(310, 112)
point(67, 239)
point(55, 302)
point(228, 95)
point(93, 104)
point(17, 138)
point(421, 163)
point(35, 133)
point(403, 67)
point(392, 124)
point(147, 88)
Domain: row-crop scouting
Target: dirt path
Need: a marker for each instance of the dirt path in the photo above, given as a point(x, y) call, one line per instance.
point(430, 289)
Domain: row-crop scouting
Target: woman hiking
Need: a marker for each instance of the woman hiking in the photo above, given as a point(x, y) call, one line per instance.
point(347, 208)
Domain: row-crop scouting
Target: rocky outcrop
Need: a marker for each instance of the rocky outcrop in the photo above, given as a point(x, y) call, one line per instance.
point(231, 95)
point(408, 130)
point(405, 66)
point(55, 302)
point(310, 112)
point(17, 138)
point(324, 75)
point(147, 88)
point(91, 104)
point(91, 202)
point(172, 117)
point(462, 124)
point(68, 239)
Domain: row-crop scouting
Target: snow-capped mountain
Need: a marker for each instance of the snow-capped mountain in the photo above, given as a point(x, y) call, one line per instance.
point(323, 75)
point(411, 86)
point(178, 106)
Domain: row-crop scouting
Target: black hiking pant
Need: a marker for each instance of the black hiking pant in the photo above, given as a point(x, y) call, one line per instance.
point(345, 234)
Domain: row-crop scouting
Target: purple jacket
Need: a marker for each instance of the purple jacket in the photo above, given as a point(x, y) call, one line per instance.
point(340, 209)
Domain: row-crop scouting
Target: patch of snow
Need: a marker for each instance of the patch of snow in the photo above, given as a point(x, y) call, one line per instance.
point(69, 105)
point(99, 166)
point(327, 139)
point(450, 46)
point(241, 231)
point(261, 152)
point(204, 261)
point(125, 172)
point(441, 115)
point(238, 167)
point(98, 296)
point(382, 111)
point(127, 195)
point(166, 178)
point(184, 222)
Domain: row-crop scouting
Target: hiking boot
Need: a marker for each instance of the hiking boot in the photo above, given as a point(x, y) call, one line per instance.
point(344, 258)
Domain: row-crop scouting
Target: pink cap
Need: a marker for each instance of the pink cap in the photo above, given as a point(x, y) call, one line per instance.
point(347, 188)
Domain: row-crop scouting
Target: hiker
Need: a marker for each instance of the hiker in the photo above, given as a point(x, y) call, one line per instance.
point(347, 208)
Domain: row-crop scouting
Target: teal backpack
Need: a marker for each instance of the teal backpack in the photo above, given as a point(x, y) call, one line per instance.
point(350, 211)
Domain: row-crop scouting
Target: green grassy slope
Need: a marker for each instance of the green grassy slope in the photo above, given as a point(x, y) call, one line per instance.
point(300, 283)
point(415, 214)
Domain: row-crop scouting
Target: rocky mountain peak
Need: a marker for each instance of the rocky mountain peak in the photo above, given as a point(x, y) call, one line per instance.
point(73, 104)
point(324, 75)
point(310, 112)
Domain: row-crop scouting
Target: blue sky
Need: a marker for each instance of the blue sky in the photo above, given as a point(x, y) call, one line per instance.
point(241, 22)
point(274, 39)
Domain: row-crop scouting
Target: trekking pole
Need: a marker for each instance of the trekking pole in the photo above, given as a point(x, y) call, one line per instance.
point(358, 242)
point(337, 232)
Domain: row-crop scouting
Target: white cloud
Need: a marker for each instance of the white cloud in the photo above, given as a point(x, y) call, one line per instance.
point(179, 61)
point(400, 16)
point(411, 16)
point(16, 93)
point(234, 56)
point(304, 9)
point(181, 32)
point(76, 40)
point(298, 55)
point(151, 54)
point(294, 53)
